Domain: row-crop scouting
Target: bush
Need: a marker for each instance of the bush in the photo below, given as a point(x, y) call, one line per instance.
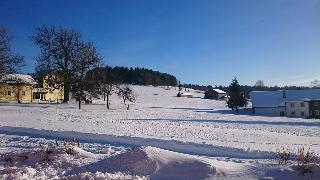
point(283, 155)
point(306, 161)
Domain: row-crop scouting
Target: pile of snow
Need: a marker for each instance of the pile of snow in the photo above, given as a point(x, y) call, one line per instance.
point(155, 163)
point(22, 157)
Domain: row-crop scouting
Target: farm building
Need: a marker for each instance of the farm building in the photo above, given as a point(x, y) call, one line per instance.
point(292, 103)
point(214, 94)
point(185, 94)
point(16, 88)
point(48, 93)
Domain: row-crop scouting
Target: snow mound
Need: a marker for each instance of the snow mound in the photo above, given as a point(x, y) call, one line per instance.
point(155, 163)
point(291, 173)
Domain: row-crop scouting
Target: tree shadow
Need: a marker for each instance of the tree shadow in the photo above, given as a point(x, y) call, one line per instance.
point(245, 122)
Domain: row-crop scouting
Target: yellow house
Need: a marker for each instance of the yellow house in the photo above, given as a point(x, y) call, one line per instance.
point(16, 88)
point(48, 93)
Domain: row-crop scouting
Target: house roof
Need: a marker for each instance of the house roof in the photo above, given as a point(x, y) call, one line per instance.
point(278, 98)
point(18, 78)
point(219, 91)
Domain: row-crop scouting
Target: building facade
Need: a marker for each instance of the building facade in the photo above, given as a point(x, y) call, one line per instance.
point(47, 93)
point(291, 103)
point(297, 109)
point(16, 88)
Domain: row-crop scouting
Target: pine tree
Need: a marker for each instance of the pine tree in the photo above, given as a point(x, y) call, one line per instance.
point(237, 98)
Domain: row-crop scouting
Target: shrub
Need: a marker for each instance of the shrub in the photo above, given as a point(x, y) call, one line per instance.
point(306, 161)
point(283, 155)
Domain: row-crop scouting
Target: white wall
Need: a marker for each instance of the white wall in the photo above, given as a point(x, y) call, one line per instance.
point(297, 109)
point(270, 111)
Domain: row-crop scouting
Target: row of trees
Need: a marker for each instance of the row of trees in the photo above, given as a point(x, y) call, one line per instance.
point(259, 86)
point(69, 61)
point(75, 64)
point(142, 76)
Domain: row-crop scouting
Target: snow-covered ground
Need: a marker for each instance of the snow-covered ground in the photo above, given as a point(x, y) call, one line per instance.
point(220, 142)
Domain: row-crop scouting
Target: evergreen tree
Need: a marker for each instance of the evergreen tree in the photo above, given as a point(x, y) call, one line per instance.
point(237, 98)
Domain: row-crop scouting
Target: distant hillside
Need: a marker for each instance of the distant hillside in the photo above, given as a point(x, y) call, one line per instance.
point(139, 76)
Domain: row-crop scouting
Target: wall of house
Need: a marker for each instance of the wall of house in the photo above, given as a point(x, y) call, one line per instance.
point(55, 95)
point(297, 109)
point(9, 92)
point(314, 108)
point(269, 111)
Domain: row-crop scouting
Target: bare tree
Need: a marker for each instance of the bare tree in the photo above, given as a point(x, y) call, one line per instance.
point(9, 62)
point(127, 94)
point(105, 82)
point(260, 83)
point(315, 83)
point(64, 56)
point(87, 59)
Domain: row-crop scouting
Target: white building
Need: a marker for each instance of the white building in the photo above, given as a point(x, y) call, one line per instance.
point(283, 102)
point(297, 108)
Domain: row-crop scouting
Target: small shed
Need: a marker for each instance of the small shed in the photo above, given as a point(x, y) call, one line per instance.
point(214, 94)
point(185, 94)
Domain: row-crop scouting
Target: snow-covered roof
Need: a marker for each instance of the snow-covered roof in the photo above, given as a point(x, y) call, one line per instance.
point(18, 78)
point(277, 98)
point(219, 91)
point(186, 94)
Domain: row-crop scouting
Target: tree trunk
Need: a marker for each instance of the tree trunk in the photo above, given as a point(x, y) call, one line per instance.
point(66, 85)
point(108, 101)
point(79, 102)
point(18, 95)
point(237, 109)
point(104, 97)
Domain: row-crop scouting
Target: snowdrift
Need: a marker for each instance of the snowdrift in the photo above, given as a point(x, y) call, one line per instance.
point(156, 163)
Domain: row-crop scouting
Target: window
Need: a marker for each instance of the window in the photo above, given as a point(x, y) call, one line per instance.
point(302, 104)
point(8, 93)
point(316, 103)
point(316, 112)
point(293, 113)
point(291, 104)
point(302, 114)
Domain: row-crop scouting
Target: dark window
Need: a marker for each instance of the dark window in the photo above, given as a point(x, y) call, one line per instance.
point(291, 104)
point(302, 113)
point(316, 103)
point(302, 104)
point(317, 112)
point(293, 113)
point(9, 93)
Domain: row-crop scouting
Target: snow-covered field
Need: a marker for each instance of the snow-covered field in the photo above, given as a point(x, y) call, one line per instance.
point(220, 143)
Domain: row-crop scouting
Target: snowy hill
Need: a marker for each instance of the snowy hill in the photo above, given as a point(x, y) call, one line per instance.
point(158, 118)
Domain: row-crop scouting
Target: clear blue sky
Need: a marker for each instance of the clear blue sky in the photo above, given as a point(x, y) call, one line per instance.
point(198, 41)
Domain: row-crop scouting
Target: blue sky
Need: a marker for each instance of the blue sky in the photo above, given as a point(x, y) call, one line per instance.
point(198, 41)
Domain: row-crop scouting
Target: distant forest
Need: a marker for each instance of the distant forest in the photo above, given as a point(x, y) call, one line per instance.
point(245, 88)
point(141, 76)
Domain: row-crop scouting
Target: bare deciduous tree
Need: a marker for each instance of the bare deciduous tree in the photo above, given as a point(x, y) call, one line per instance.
point(260, 83)
point(105, 83)
point(64, 56)
point(315, 83)
point(87, 59)
point(127, 94)
point(9, 62)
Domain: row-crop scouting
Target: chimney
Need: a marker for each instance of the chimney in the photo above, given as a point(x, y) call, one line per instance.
point(284, 94)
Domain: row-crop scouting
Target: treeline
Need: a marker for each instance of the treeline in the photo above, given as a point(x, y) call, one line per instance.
point(140, 76)
point(245, 88)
